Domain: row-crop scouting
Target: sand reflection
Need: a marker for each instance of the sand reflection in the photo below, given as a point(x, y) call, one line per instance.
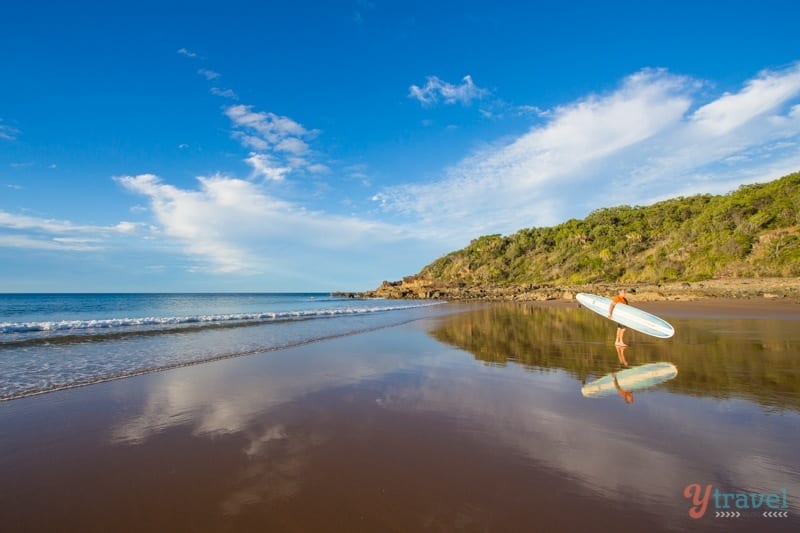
point(225, 397)
point(532, 410)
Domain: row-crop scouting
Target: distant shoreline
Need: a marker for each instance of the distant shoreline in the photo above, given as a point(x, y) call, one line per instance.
point(728, 288)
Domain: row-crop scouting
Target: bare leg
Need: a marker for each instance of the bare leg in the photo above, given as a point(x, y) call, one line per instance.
point(621, 355)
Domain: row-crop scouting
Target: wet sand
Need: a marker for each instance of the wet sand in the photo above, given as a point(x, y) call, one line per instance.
point(472, 422)
point(758, 308)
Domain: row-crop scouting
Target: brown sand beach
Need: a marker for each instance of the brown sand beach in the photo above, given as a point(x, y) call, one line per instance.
point(471, 421)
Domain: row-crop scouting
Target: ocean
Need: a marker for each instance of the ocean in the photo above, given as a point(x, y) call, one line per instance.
point(55, 341)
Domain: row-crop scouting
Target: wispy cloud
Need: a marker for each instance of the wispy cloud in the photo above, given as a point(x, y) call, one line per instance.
point(656, 134)
point(52, 244)
point(270, 127)
point(224, 93)
point(49, 225)
point(499, 109)
point(318, 168)
point(277, 145)
point(233, 225)
point(650, 138)
point(759, 96)
point(187, 53)
point(7, 132)
point(208, 74)
point(278, 141)
point(24, 231)
point(436, 90)
point(265, 167)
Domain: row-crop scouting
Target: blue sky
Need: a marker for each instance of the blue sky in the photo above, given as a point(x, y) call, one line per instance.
point(290, 146)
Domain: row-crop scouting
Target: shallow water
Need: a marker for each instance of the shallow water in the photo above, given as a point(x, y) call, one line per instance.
point(50, 342)
point(471, 421)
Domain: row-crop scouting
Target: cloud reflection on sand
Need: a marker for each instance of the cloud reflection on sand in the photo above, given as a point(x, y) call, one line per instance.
point(276, 469)
point(644, 453)
point(226, 396)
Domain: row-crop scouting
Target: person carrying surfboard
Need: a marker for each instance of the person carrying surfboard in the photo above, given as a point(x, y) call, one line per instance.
point(618, 299)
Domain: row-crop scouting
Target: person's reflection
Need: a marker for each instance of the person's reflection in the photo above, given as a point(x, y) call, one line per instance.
point(621, 355)
point(626, 394)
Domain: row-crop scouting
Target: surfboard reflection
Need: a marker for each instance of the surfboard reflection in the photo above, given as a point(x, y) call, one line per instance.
point(626, 381)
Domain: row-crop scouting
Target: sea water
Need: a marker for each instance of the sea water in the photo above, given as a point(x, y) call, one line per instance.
point(54, 341)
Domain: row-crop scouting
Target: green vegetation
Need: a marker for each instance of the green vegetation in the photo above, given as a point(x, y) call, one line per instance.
point(751, 232)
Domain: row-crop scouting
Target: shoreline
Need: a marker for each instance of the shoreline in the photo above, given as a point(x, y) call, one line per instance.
point(708, 307)
point(771, 289)
point(185, 364)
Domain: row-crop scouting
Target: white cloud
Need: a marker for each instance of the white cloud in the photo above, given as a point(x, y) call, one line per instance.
point(233, 225)
point(278, 141)
point(759, 96)
point(435, 89)
point(264, 166)
point(271, 127)
point(7, 132)
point(251, 141)
point(187, 53)
point(531, 110)
point(293, 145)
point(649, 138)
point(52, 244)
point(653, 136)
point(495, 109)
point(318, 168)
point(224, 93)
point(127, 227)
point(296, 161)
point(24, 231)
point(25, 222)
point(208, 74)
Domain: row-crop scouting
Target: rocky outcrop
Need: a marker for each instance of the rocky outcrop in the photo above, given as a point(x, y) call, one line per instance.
point(412, 287)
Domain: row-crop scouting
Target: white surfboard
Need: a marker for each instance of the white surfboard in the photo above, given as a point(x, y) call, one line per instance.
point(631, 379)
point(628, 316)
